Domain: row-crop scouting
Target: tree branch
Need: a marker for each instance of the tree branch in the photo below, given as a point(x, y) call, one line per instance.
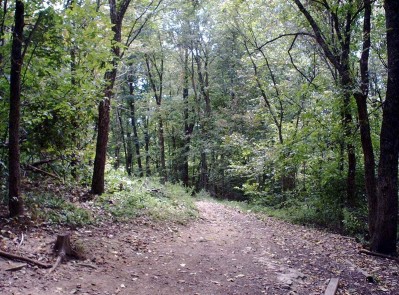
point(294, 65)
point(21, 258)
point(319, 36)
point(285, 35)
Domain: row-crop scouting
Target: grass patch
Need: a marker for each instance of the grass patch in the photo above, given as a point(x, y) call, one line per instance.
point(127, 198)
point(325, 215)
point(55, 210)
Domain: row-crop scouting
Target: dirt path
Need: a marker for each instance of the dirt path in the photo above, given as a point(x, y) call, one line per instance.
point(224, 252)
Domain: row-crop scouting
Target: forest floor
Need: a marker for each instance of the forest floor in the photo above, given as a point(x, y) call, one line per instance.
point(223, 251)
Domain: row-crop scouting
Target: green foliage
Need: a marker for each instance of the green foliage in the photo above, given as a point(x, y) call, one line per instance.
point(62, 80)
point(53, 209)
point(127, 198)
point(203, 195)
point(355, 221)
point(274, 136)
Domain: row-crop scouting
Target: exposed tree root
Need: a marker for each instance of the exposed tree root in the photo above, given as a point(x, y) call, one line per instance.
point(21, 258)
point(364, 251)
point(63, 248)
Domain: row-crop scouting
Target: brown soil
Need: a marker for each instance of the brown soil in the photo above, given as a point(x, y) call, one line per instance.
point(225, 251)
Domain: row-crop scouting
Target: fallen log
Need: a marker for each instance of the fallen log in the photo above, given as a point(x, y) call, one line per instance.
point(42, 162)
point(35, 169)
point(21, 258)
point(364, 251)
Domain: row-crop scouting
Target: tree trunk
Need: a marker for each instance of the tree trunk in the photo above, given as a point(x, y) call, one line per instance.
point(369, 161)
point(125, 145)
point(97, 184)
point(15, 202)
point(203, 79)
point(347, 120)
point(135, 134)
point(364, 124)
point(117, 12)
point(342, 65)
point(161, 140)
point(147, 147)
point(385, 235)
point(129, 156)
point(151, 63)
point(204, 180)
point(188, 126)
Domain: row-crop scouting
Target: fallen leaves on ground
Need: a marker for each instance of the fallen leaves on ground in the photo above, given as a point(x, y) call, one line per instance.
point(224, 251)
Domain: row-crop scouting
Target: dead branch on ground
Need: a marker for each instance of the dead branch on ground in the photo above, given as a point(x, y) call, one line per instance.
point(21, 258)
point(35, 169)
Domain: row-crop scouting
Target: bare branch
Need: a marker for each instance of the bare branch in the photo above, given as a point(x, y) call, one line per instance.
point(285, 35)
point(294, 65)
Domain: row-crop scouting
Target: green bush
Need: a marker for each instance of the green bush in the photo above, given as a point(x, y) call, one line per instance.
point(127, 198)
point(53, 209)
point(355, 221)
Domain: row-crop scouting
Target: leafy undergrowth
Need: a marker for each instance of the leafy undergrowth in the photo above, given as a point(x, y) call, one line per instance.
point(344, 221)
point(128, 198)
point(125, 198)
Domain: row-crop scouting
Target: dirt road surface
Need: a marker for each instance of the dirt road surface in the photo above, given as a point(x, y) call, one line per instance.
point(224, 251)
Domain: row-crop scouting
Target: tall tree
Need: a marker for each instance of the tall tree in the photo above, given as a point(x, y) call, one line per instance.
point(337, 50)
point(385, 235)
point(117, 12)
point(15, 201)
point(201, 59)
point(133, 119)
point(188, 124)
point(364, 122)
point(155, 71)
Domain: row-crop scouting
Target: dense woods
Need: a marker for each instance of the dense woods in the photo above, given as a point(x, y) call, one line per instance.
point(286, 105)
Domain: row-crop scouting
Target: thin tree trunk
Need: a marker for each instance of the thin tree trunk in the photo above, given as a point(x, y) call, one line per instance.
point(147, 148)
point(97, 185)
point(129, 156)
point(204, 180)
point(135, 134)
point(203, 79)
point(365, 134)
point(368, 158)
point(385, 235)
point(161, 140)
point(188, 126)
point(15, 201)
point(126, 147)
point(158, 98)
point(346, 84)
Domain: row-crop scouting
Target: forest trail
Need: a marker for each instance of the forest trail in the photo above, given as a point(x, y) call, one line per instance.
point(225, 251)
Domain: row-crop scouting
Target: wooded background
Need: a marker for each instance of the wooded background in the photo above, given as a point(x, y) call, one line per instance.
point(283, 104)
